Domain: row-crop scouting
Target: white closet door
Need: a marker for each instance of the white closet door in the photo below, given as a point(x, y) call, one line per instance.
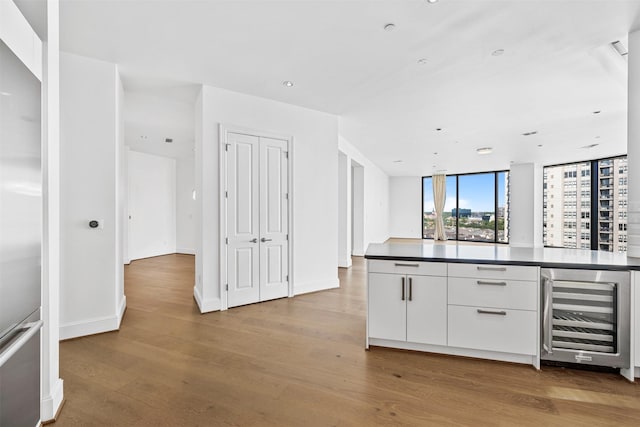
point(243, 210)
point(274, 281)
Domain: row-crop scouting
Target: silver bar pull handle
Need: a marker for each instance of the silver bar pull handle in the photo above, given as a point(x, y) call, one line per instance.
point(410, 289)
point(28, 331)
point(402, 289)
point(484, 282)
point(499, 313)
point(265, 240)
point(399, 264)
point(491, 268)
point(547, 316)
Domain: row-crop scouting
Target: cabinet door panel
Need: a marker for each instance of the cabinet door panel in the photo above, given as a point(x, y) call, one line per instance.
point(387, 313)
point(513, 331)
point(427, 310)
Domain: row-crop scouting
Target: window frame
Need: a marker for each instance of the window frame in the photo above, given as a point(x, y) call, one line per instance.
point(495, 207)
point(594, 179)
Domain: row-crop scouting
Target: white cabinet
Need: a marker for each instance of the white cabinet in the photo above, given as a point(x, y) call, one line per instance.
point(478, 310)
point(408, 307)
point(490, 309)
point(427, 310)
point(504, 330)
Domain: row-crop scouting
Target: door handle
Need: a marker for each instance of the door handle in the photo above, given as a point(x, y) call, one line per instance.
point(265, 240)
point(402, 288)
point(410, 289)
point(254, 240)
point(28, 331)
point(547, 315)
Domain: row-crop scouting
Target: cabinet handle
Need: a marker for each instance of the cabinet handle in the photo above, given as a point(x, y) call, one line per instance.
point(484, 282)
point(499, 313)
point(491, 268)
point(403, 289)
point(410, 289)
point(265, 239)
point(399, 264)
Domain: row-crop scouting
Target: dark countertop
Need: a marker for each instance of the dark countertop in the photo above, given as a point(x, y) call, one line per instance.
point(502, 254)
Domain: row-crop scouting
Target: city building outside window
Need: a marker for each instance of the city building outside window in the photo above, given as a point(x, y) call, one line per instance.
point(601, 204)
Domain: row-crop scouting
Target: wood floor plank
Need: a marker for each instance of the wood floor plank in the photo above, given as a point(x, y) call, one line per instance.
point(301, 361)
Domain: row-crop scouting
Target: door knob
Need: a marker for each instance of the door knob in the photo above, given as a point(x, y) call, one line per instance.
point(265, 240)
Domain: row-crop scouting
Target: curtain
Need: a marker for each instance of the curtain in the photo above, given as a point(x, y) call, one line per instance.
point(439, 198)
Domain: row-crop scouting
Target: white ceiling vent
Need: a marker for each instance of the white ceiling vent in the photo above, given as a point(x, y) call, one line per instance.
point(620, 47)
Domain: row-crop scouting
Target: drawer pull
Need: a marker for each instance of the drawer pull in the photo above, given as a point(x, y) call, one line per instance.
point(399, 264)
point(491, 268)
point(499, 313)
point(484, 282)
point(402, 283)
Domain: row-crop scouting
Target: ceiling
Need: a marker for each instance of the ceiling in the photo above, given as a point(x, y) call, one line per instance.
point(557, 69)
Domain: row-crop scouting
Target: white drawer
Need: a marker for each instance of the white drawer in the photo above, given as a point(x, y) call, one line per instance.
point(407, 267)
point(501, 293)
point(511, 331)
point(493, 271)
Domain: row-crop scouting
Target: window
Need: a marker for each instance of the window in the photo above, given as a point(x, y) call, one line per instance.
point(429, 216)
point(600, 204)
point(476, 207)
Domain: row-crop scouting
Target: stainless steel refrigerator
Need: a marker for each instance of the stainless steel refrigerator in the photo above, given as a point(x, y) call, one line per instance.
point(20, 242)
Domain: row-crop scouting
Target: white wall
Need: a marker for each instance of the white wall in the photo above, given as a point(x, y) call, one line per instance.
point(344, 211)
point(315, 177)
point(152, 205)
point(376, 196)
point(525, 205)
point(89, 181)
point(186, 231)
point(405, 205)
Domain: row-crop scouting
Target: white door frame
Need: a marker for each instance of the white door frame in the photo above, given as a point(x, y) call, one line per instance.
point(224, 130)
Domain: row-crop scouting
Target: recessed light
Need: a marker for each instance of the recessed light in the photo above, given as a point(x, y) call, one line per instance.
point(168, 140)
point(390, 27)
point(422, 61)
point(597, 112)
point(432, 1)
point(598, 137)
point(397, 161)
point(435, 154)
point(534, 132)
point(539, 145)
point(438, 129)
point(590, 146)
point(497, 52)
point(287, 83)
point(484, 150)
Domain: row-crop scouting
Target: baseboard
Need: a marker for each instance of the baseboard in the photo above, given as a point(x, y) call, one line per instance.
point(315, 286)
point(186, 251)
point(50, 406)
point(345, 263)
point(122, 309)
point(206, 306)
point(89, 327)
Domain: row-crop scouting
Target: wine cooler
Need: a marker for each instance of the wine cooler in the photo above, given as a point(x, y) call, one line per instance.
point(585, 317)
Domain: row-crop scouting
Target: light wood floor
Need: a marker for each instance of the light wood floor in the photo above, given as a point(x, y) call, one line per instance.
point(301, 362)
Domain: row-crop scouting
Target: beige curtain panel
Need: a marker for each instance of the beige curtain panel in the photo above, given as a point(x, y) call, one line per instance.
point(439, 198)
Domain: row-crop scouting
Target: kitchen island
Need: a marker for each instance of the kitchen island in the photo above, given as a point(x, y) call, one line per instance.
point(466, 299)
